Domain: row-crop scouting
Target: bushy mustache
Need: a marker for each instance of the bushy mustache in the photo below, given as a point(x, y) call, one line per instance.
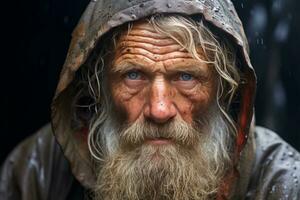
point(178, 131)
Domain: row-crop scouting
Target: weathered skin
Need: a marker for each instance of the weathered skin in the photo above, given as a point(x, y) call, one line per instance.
point(44, 166)
point(158, 92)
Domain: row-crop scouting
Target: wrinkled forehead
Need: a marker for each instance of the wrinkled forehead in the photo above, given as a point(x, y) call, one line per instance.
point(158, 37)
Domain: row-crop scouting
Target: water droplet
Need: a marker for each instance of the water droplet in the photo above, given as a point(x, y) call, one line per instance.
point(169, 5)
point(295, 167)
point(142, 5)
point(133, 16)
point(270, 158)
point(296, 180)
point(264, 148)
point(242, 5)
point(216, 9)
point(94, 0)
point(291, 154)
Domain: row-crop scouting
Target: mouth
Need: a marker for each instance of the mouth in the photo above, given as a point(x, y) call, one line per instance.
point(159, 141)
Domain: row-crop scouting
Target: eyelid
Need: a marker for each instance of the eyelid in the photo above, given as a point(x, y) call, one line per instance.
point(177, 74)
point(141, 75)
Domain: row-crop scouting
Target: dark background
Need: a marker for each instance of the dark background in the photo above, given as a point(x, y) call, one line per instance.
point(36, 35)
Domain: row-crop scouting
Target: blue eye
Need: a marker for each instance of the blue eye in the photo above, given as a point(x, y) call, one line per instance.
point(133, 75)
point(185, 77)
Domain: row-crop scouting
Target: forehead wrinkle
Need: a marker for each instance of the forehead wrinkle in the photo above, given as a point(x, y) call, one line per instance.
point(154, 57)
point(152, 52)
point(146, 33)
point(191, 65)
point(136, 59)
point(139, 38)
point(129, 45)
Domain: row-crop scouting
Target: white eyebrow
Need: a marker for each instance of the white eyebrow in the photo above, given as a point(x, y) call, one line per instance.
point(127, 66)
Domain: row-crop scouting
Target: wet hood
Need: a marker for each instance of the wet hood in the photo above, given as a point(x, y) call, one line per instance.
point(103, 15)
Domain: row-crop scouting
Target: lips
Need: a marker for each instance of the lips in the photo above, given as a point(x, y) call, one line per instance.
point(159, 141)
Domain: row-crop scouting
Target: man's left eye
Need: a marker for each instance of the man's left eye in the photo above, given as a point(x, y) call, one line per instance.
point(185, 77)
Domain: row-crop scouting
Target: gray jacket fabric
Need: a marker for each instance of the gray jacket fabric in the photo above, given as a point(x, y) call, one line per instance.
point(53, 162)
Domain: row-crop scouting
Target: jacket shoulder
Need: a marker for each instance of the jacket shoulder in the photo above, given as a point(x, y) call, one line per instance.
point(276, 171)
point(30, 171)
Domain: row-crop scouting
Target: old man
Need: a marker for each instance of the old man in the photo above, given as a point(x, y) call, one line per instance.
point(155, 101)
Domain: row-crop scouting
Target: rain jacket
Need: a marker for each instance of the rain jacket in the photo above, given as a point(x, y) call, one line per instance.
point(54, 163)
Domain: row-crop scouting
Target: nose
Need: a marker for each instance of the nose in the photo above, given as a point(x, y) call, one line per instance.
point(160, 107)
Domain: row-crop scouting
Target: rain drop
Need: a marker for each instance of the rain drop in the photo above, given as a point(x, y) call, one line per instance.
point(273, 189)
point(264, 148)
point(133, 16)
point(169, 5)
point(270, 158)
point(216, 9)
point(94, 0)
point(291, 154)
point(142, 5)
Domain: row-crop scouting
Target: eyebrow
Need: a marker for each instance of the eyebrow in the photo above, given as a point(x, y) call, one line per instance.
point(131, 65)
point(127, 66)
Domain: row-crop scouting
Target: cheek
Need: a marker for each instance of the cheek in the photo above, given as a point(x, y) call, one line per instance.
point(193, 103)
point(127, 101)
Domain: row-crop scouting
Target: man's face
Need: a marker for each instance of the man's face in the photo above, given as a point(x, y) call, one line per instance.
point(166, 100)
point(153, 78)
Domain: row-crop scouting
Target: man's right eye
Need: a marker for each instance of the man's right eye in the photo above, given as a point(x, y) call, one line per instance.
point(133, 75)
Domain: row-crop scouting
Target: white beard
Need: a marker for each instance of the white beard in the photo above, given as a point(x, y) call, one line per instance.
point(190, 169)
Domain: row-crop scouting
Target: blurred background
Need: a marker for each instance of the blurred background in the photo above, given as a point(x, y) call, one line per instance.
point(36, 35)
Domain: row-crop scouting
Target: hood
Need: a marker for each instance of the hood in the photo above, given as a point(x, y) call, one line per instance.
point(103, 15)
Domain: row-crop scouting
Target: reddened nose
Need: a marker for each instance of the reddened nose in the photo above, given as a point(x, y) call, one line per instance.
point(160, 107)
